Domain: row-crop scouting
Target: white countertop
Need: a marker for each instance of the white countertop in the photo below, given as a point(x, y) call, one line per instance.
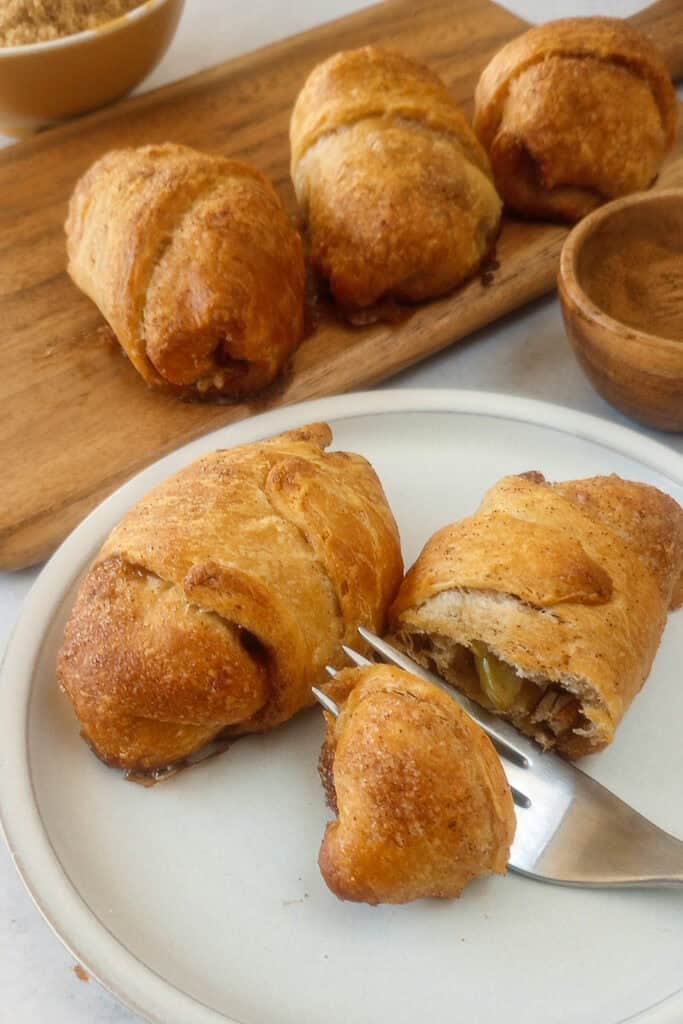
point(525, 354)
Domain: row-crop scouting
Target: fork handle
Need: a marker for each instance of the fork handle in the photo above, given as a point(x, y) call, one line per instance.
point(604, 843)
point(659, 853)
point(664, 852)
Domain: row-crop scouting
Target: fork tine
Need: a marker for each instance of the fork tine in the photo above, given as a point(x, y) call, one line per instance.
point(355, 657)
point(326, 701)
point(506, 745)
point(398, 658)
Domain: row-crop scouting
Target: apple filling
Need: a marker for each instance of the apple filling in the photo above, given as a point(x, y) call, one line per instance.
point(544, 710)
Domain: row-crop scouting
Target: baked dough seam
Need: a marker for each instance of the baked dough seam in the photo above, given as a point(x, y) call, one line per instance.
point(630, 65)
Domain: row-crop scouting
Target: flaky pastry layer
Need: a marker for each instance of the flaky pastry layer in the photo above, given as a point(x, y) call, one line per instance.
point(216, 603)
point(392, 182)
point(573, 113)
point(422, 802)
point(194, 263)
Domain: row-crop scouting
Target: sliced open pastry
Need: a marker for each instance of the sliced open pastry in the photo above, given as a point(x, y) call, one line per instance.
point(422, 802)
point(216, 603)
point(548, 605)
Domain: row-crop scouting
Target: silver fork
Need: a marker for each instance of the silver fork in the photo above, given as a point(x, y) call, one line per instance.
point(570, 829)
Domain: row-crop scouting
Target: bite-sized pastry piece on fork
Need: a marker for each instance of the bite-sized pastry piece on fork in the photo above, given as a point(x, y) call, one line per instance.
point(548, 605)
point(422, 803)
point(394, 187)
point(195, 265)
point(570, 830)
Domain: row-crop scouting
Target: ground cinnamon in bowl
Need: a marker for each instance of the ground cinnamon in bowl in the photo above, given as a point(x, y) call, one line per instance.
point(632, 269)
point(36, 21)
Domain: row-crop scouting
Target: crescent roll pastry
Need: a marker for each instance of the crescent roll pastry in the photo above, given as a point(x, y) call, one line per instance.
point(422, 801)
point(393, 184)
point(194, 263)
point(548, 605)
point(215, 604)
point(573, 113)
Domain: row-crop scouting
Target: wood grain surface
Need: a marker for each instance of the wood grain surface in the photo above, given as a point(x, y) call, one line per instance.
point(77, 420)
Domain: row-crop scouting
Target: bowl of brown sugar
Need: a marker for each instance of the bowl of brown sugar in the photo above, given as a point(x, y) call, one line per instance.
point(60, 58)
point(621, 288)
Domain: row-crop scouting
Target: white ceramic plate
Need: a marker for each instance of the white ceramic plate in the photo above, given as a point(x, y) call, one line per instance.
point(200, 899)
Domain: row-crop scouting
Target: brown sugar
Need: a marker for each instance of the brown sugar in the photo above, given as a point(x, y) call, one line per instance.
point(37, 21)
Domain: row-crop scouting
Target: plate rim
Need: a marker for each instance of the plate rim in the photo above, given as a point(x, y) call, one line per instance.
point(128, 978)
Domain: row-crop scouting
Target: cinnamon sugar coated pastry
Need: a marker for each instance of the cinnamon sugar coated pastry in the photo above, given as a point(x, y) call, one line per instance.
point(548, 605)
point(392, 182)
point(195, 265)
point(573, 113)
point(422, 802)
point(215, 604)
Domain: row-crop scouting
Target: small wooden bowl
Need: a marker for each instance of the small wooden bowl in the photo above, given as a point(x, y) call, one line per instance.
point(41, 83)
point(621, 288)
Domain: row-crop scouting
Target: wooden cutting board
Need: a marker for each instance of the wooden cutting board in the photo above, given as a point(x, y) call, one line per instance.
point(76, 419)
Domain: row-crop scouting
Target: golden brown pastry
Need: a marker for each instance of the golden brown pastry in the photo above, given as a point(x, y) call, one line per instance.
point(423, 804)
point(392, 182)
point(548, 605)
point(215, 604)
point(575, 112)
point(194, 263)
